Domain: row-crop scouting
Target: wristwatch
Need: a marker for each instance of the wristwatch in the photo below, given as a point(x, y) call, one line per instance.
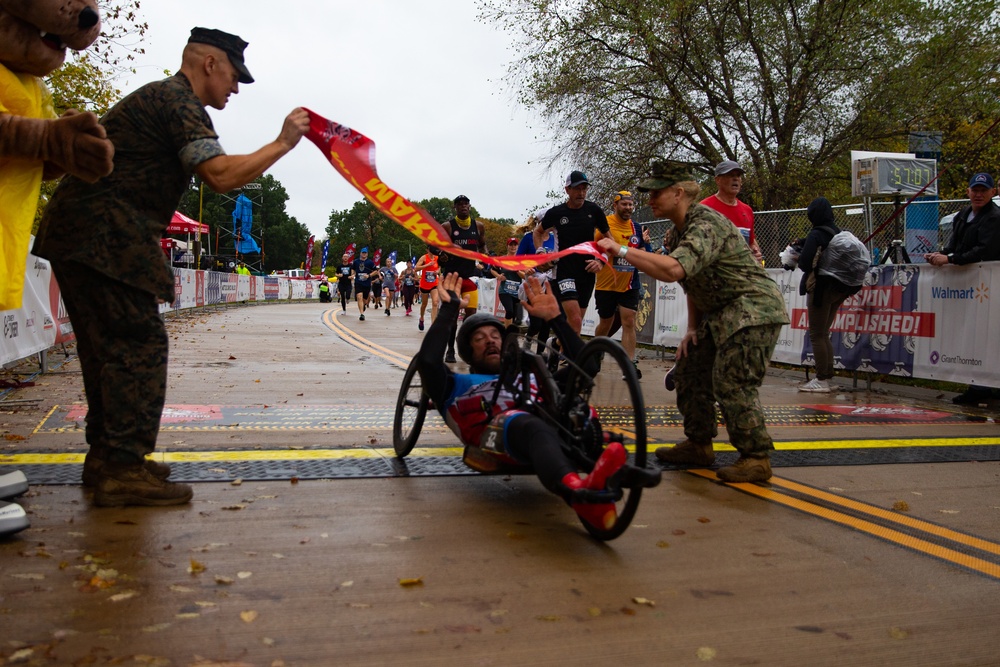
point(622, 251)
point(951, 258)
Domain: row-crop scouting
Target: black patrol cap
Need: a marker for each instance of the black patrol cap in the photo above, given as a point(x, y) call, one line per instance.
point(231, 44)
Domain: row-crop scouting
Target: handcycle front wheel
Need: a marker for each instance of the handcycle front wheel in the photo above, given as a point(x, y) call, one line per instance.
point(614, 392)
point(411, 409)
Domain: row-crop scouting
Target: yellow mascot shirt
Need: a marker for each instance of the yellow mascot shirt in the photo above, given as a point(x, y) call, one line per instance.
point(20, 183)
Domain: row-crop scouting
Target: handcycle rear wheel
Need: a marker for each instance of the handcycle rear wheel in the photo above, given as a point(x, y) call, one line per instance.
point(614, 392)
point(411, 409)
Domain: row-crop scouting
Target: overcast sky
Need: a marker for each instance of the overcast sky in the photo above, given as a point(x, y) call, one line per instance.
point(422, 79)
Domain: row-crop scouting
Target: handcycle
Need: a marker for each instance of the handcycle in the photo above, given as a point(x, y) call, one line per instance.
point(591, 401)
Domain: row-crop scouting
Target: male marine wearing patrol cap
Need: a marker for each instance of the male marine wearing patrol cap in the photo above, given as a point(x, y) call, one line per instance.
point(735, 313)
point(232, 45)
point(103, 241)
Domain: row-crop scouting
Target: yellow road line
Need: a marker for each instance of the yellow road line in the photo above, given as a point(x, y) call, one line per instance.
point(882, 443)
point(888, 515)
point(240, 455)
point(888, 534)
point(44, 419)
point(349, 336)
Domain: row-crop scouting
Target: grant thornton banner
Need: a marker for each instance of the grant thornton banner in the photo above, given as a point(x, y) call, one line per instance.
point(352, 154)
point(908, 320)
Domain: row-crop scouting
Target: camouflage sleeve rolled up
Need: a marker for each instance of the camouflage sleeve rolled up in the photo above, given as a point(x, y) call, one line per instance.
point(723, 279)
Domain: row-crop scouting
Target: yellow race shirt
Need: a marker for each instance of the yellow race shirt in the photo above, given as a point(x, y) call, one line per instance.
point(616, 276)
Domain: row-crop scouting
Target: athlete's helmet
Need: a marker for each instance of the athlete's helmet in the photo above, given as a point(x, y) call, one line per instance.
point(463, 341)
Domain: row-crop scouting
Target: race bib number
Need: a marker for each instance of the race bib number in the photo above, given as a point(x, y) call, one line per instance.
point(620, 264)
point(346, 271)
point(430, 276)
point(510, 287)
point(567, 285)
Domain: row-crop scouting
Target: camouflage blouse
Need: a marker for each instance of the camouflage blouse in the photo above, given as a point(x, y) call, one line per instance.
point(161, 132)
point(723, 280)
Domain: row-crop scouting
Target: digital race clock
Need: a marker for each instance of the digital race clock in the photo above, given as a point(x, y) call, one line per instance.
point(893, 175)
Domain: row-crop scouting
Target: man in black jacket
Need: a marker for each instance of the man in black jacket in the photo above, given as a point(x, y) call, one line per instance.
point(975, 230)
point(975, 237)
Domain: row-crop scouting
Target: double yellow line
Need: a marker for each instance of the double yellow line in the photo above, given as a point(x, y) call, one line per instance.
point(884, 532)
point(330, 320)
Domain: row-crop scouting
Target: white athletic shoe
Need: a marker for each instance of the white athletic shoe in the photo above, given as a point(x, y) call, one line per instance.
point(12, 518)
point(816, 386)
point(12, 484)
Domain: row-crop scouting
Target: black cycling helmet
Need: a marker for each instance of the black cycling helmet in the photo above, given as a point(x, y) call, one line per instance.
point(463, 341)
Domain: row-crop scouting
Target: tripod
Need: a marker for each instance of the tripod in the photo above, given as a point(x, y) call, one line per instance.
point(896, 250)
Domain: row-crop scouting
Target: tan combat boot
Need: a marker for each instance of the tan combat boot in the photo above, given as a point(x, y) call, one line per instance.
point(687, 453)
point(122, 484)
point(93, 464)
point(746, 469)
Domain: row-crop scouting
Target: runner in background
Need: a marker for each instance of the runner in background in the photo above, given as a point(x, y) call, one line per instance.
point(469, 234)
point(508, 284)
point(344, 280)
point(408, 281)
point(389, 276)
point(428, 268)
point(361, 271)
point(617, 290)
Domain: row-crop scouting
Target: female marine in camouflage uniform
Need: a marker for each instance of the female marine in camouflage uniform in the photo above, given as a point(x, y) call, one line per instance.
point(735, 313)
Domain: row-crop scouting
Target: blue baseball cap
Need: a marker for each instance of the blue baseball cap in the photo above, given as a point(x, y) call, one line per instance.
point(364, 250)
point(983, 179)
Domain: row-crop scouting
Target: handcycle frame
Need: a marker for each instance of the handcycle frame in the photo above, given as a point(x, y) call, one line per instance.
point(567, 408)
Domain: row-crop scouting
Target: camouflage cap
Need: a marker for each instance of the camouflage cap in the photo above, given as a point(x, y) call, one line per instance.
point(663, 175)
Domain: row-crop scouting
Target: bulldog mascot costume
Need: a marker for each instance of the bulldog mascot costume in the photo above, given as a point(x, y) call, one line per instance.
point(36, 145)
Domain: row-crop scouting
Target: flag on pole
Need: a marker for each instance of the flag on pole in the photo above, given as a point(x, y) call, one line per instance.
point(309, 254)
point(349, 251)
point(326, 251)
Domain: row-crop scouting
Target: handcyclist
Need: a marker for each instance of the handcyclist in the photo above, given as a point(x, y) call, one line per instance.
point(501, 433)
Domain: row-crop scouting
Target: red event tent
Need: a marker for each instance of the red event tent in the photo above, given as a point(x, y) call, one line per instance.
point(181, 224)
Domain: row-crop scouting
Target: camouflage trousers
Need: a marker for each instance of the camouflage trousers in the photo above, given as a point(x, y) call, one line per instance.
point(122, 345)
point(729, 373)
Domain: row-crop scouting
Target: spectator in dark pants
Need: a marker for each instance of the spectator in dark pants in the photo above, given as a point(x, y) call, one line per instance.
point(824, 294)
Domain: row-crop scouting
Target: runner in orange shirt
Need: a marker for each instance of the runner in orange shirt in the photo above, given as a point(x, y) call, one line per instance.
point(427, 267)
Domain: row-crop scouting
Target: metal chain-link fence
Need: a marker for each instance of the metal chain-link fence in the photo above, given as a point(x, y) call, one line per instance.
point(918, 227)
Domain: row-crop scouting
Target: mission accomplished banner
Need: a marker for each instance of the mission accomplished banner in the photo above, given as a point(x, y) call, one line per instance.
point(353, 155)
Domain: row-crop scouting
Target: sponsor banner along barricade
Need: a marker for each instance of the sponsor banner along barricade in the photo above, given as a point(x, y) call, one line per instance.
point(908, 320)
point(41, 321)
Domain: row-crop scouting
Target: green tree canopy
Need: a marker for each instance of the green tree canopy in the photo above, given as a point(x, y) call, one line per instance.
point(281, 237)
point(787, 87)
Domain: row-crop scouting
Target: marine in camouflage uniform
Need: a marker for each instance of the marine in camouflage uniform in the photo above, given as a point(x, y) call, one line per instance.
point(103, 240)
point(742, 314)
point(735, 315)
